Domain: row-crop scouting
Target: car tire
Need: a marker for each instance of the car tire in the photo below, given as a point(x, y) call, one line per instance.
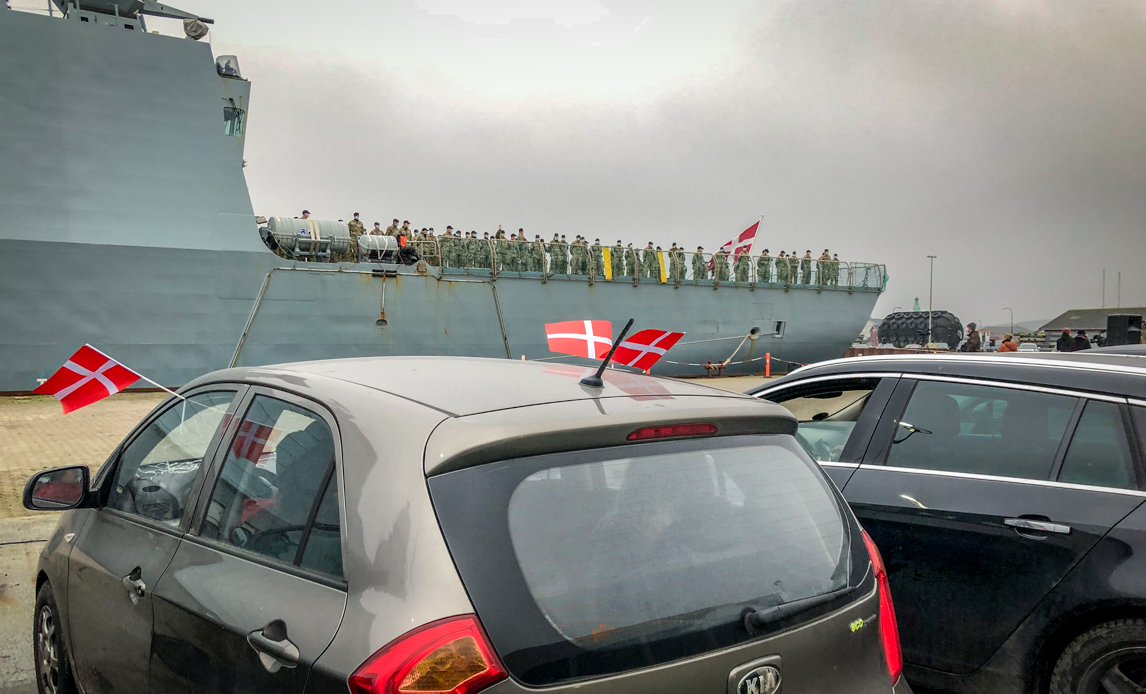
point(1102, 658)
point(53, 668)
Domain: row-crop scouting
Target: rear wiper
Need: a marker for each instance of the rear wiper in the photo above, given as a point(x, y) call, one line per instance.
point(755, 620)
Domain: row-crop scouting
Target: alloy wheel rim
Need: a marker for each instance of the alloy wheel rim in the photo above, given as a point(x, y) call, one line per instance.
point(1120, 672)
point(47, 651)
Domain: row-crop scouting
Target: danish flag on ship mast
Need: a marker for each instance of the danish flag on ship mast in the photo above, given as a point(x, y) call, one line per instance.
point(89, 376)
point(742, 243)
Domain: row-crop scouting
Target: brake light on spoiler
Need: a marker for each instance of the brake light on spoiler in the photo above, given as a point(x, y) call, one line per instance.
point(670, 431)
point(449, 656)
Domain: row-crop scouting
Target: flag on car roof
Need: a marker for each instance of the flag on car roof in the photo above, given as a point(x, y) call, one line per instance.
point(645, 348)
point(89, 376)
point(581, 338)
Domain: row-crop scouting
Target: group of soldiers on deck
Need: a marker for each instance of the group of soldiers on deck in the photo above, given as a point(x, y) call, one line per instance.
point(516, 252)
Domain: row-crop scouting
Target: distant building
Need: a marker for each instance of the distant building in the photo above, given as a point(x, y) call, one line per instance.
point(1088, 319)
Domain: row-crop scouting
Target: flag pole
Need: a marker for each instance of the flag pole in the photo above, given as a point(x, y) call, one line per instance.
point(163, 388)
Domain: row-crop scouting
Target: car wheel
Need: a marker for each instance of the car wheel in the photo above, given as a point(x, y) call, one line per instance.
point(53, 671)
point(1108, 659)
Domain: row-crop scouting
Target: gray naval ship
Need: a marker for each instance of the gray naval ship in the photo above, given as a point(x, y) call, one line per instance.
point(126, 223)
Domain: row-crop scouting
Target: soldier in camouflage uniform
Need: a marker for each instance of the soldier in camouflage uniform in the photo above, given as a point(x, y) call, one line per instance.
point(597, 256)
point(806, 268)
point(392, 230)
point(356, 228)
point(720, 265)
point(617, 260)
point(783, 268)
point(741, 265)
point(676, 260)
point(764, 268)
point(554, 260)
point(650, 264)
point(632, 263)
point(699, 267)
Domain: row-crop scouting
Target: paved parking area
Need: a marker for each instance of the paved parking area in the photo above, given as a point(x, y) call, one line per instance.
point(35, 436)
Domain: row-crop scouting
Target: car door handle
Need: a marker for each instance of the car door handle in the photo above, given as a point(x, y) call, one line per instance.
point(274, 648)
point(133, 583)
point(1041, 526)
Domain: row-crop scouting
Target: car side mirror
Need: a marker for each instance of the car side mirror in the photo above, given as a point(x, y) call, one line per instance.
point(57, 490)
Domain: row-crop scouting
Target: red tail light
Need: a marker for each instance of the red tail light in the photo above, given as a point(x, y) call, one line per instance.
point(888, 629)
point(668, 431)
point(449, 656)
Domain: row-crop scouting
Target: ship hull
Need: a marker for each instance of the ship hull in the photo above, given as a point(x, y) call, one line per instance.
point(173, 314)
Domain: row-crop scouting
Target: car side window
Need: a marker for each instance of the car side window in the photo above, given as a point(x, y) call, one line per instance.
point(277, 469)
point(984, 430)
point(827, 413)
point(1099, 452)
point(322, 551)
point(157, 469)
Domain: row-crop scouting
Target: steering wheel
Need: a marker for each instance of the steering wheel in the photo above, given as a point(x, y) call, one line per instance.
point(270, 542)
point(818, 451)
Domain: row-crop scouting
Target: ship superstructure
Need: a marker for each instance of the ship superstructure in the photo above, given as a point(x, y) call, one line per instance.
point(125, 222)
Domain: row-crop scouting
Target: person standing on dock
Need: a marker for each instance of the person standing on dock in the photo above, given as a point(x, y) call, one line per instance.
point(1065, 342)
point(974, 341)
point(764, 268)
point(699, 268)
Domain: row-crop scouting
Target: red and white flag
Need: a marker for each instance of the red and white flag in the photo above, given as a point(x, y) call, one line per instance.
point(251, 440)
point(581, 338)
point(645, 348)
point(742, 243)
point(89, 376)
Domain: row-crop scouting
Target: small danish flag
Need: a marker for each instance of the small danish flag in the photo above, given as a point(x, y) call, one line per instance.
point(581, 338)
point(251, 440)
point(89, 376)
point(645, 348)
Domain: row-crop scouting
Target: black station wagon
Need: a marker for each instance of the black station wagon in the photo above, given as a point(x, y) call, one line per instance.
point(1005, 493)
point(405, 525)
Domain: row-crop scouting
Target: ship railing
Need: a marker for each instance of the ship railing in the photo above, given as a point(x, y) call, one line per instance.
point(548, 260)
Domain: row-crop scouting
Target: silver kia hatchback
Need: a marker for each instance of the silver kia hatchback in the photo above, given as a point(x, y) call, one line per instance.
point(402, 525)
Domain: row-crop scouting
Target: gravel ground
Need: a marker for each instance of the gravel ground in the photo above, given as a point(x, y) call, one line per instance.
point(35, 435)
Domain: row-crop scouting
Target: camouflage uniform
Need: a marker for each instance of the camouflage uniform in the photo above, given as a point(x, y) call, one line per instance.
point(598, 255)
point(650, 264)
point(699, 267)
point(806, 269)
point(632, 262)
point(783, 269)
point(617, 260)
point(676, 263)
point(741, 266)
point(720, 266)
point(764, 269)
point(356, 229)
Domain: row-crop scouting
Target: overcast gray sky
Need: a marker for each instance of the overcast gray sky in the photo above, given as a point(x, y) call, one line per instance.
point(1004, 136)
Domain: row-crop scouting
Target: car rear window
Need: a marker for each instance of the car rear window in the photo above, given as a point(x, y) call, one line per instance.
point(591, 563)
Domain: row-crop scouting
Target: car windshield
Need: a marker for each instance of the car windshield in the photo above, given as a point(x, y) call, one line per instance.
point(630, 557)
